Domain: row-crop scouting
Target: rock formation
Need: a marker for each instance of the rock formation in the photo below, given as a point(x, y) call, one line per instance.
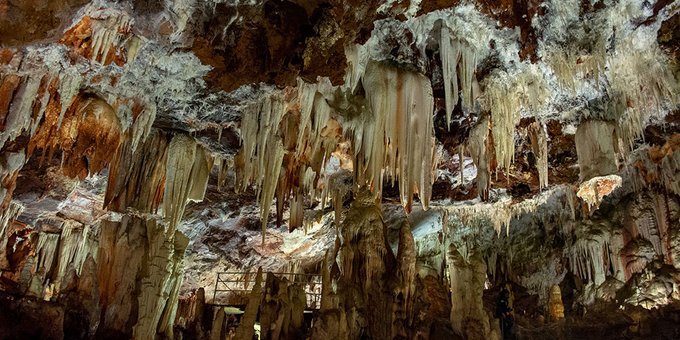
point(356, 169)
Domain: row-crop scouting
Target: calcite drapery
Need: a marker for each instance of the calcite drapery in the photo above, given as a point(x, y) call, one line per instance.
point(396, 140)
point(596, 146)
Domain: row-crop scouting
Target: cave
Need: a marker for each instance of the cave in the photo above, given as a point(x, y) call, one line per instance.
point(339, 169)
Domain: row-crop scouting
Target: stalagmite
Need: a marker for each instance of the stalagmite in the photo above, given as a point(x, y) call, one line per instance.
point(406, 259)
point(328, 300)
point(555, 305)
point(468, 318)
point(245, 329)
point(218, 324)
point(338, 191)
point(159, 286)
point(190, 312)
point(282, 309)
point(297, 212)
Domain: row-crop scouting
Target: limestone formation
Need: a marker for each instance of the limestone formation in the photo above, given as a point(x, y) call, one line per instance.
point(389, 167)
point(555, 305)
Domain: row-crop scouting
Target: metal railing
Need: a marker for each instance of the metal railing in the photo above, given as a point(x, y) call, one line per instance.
point(233, 288)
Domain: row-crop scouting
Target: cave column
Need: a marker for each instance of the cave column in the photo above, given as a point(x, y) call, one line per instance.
point(467, 276)
point(141, 252)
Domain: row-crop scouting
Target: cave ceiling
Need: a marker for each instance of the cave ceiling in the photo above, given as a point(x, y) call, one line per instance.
point(508, 81)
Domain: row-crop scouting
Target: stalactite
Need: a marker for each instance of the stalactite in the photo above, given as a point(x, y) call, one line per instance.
point(104, 35)
point(223, 166)
point(461, 161)
point(596, 149)
point(178, 177)
point(506, 97)
point(27, 106)
point(501, 212)
point(94, 128)
point(657, 166)
point(142, 126)
point(572, 69)
point(450, 53)
point(200, 173)
point(644, 85)
point(137, 175)
point(271, 169)
point(399, 137)
point(357, 58)
point(10, 165)
point(476, 144)
point(297, 212)
point(262, 153)
point(69, 86)
point(75, 245)
point(47, 248)
point(7, 216)
point(539, 146)
point(590, 257)
point(108, 33)
point(20, 113)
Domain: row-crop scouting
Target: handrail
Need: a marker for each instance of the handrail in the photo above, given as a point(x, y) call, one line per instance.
point(237, 286)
